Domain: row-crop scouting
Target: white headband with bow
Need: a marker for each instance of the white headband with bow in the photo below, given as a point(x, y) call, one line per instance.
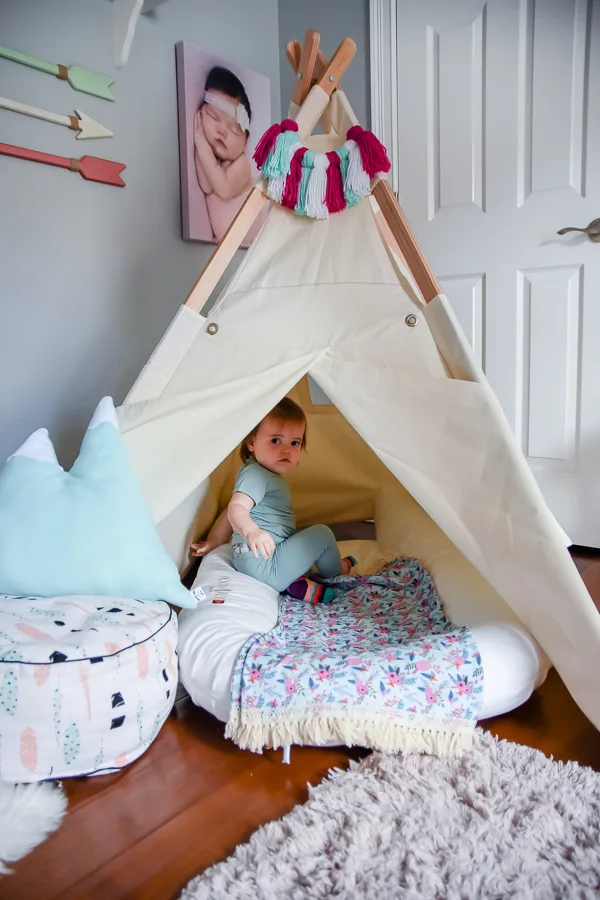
point(238, 112)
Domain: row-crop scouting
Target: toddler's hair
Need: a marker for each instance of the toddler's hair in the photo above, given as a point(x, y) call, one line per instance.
point(221, 79)
point(286, 410)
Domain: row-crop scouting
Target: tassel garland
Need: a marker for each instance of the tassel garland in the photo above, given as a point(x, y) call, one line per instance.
point(317, 184)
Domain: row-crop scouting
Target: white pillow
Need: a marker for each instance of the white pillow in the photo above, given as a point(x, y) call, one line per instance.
point(235, 608)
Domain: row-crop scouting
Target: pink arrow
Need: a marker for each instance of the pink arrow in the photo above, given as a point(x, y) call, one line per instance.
point(92, 168)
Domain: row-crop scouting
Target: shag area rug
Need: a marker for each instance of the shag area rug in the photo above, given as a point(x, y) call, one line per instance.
point(28, 813)
point(500, 821)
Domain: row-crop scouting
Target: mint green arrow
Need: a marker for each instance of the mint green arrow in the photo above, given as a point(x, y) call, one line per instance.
point(80, 79)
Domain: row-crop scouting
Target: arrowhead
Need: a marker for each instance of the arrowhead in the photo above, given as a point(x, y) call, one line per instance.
point(90, 82)
point(89, 128)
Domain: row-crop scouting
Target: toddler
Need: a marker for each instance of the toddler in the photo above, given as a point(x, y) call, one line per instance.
point(265, 542)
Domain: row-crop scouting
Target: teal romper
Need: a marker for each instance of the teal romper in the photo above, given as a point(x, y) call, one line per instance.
point(295, 552)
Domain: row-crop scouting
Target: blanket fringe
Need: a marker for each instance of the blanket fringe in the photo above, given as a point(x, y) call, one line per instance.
point(256, 731)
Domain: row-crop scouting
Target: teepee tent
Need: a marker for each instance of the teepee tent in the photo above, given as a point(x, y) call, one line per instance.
point(411, 434)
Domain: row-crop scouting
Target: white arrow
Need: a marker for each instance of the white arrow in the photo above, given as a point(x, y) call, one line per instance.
point(84, 125)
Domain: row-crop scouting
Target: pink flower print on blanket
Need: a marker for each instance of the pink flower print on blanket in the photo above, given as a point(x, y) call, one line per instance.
point(383, 645)
point(362, 688)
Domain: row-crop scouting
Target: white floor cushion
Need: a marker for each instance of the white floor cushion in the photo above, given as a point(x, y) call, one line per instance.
point(514, 665)
point(236, 607)
point(85, 683)
point(211, 636)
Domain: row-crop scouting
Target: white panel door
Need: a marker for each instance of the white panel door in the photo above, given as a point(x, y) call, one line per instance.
point(497, 146)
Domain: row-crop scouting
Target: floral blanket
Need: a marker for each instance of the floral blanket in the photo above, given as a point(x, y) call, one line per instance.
point(381, 666)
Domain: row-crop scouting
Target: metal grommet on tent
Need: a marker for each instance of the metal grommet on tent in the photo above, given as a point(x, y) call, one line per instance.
point(411, 320)
point(212, 328)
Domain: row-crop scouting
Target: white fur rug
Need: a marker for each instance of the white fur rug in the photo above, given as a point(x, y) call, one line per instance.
point(28, 813)
point(501, 821)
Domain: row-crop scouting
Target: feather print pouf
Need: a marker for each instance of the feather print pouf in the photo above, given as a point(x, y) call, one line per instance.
point(85, 683)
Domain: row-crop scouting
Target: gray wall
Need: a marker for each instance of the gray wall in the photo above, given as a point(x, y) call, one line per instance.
point(335, 21)
point(91, 275)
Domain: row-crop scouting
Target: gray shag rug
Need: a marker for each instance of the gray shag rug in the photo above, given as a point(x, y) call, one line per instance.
point(501, 821)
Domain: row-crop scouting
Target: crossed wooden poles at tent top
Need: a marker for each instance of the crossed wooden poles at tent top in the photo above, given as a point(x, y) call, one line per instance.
point(316, 80)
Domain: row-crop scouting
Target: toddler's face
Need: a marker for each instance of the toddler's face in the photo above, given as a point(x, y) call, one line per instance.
point(277, 445)
point(226, 138)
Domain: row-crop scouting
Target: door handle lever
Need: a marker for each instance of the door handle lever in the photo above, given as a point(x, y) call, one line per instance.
point(592, 230)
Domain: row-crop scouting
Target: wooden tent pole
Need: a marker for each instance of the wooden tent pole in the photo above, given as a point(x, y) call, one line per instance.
point(304, 72)
point(223, 254)
point(293, 51)
point(406, 240)
point(316, 102)
point(338, 64)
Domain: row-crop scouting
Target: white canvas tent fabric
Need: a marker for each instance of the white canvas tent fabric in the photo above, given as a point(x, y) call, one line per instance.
point(417, 440)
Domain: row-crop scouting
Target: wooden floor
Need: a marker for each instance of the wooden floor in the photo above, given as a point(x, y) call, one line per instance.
point(194, 796)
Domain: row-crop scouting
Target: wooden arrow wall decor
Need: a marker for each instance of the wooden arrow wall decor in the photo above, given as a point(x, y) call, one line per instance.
point(92, 168)
point(79, 78)
point(86, 127)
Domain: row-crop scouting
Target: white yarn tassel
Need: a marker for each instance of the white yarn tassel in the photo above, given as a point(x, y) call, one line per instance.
point(317, 188)
point(276, 188)
point(357, 179)
point(277, 185)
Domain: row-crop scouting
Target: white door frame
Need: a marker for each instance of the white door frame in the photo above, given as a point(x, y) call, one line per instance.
point(384, 80)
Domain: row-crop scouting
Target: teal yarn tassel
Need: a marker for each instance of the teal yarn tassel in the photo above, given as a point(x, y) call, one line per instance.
point(307, 167)
point(351, 197)
point(278, 161)
point(342, 152)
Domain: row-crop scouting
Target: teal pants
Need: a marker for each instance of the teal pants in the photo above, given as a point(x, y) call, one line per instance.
point(294, 558)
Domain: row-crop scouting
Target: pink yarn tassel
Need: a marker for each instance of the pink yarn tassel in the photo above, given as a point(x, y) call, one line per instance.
point(292, 183)
point(334, 195)
point(269, 139)
point(372, 152)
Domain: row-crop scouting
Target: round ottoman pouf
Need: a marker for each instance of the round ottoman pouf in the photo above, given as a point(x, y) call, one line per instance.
point(85, 683)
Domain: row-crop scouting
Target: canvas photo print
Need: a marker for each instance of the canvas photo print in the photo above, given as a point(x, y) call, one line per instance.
point(224, 109)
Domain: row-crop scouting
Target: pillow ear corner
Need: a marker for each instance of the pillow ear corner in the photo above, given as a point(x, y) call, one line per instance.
point(37, 446)
point(104, 412)
point(185, 599)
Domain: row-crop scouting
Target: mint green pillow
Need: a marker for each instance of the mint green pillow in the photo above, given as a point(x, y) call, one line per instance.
point(87, 531)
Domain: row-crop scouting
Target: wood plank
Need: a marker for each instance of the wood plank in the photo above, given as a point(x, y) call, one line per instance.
point(338, 64)
point(145, 798)
point(406, 240)
point(223, 254)
point(182, 845)
point(293, 51)
point(304, 72)
point(551, 722)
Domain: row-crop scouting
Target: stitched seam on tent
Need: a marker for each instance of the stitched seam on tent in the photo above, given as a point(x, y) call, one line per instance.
point(286, 287)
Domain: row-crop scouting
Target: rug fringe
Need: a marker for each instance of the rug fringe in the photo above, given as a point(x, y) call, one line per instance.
point(256, 731)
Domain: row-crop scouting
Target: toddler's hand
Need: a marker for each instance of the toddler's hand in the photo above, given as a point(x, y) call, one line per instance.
point(200, 549)
point(261, 542)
